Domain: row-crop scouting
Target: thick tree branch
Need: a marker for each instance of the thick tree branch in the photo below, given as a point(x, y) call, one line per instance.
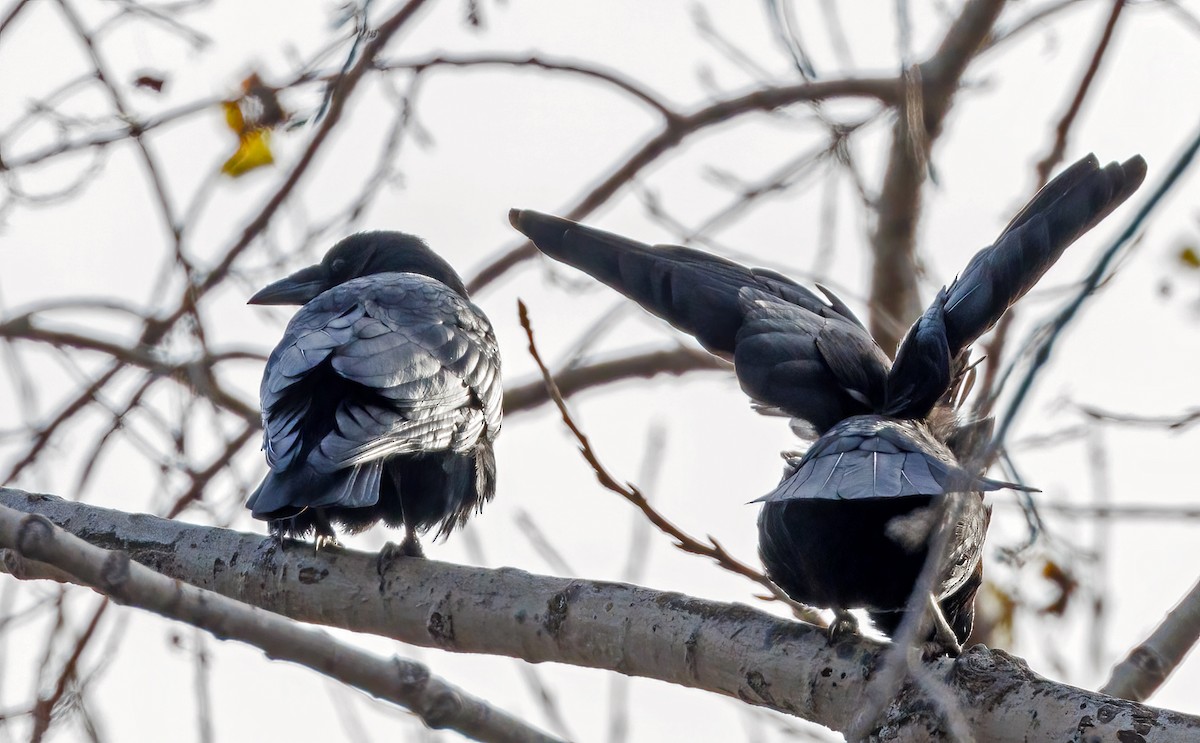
point(1149, 664)
point(403, 682)
point(724, 648)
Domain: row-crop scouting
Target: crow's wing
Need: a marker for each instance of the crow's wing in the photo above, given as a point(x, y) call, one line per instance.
point(999, 275)
point(871, 456)
point(792, 349)
point(819, 368)
point(415, 365)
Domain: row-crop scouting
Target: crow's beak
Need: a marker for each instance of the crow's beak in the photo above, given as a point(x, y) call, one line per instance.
point(299, 288)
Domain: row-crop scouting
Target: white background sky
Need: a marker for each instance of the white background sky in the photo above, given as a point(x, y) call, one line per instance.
point(502, 138)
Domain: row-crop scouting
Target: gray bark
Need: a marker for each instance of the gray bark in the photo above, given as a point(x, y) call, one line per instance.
point(729, 649)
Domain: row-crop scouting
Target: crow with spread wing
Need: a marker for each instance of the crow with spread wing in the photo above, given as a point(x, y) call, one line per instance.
point(851, 523)
point(383, 398)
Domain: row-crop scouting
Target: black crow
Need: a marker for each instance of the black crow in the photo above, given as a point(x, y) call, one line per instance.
point(850, 524)
point(383, 398)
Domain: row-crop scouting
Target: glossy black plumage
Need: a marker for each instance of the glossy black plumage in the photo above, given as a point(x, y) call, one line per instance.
point(848, 526)
point(383, 398)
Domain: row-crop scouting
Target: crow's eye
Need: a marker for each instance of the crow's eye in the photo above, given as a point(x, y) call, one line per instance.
point(338, 265)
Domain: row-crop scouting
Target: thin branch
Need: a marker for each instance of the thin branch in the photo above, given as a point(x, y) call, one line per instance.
point(675, 131)
point(1035, 19)
point(636, 562)
point(12, 14)
point(1052, 331)
point(548, 64)
point(710, 549)
point(343, 89)
point(929, 90)
point(202, 478)
point(898, 662)
point(403, 682)
point(43, 711)
point(1150, 512)
point(994, 348)
point(1172, 422)
point(1054, 156)
point(45, 434)
point(519, 398)
point(196, 374)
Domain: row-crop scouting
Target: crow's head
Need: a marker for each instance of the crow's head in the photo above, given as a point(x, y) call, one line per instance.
point(361, 255)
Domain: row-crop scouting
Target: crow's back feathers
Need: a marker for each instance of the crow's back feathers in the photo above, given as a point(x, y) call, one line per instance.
point(383, 397)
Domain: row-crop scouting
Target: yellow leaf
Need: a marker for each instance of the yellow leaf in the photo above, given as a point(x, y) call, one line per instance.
point(254, 150)
point(233, 116)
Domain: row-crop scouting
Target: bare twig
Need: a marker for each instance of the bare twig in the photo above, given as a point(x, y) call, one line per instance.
point(994, 348)
point(202, 678)
point(12, 14)
point(676, 130)
point(1054, 156)
point(1172, 422)
point(635, 567)
point(547, 64)
point(1148, 512)
point(1035, 19)
point(929, 90)
point(45, 434)
point(676, 361)
point(44, 709)
point(1051, 332)
point(710, 549)
point(201, 479)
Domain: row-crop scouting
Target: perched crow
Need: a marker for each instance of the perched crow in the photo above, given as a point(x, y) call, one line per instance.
point(383, 398)
point(851, 522)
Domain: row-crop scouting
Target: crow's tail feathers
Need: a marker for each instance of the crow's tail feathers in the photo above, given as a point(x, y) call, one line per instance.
point(284, 494)
point(1059, 214)
point(793, 350)
point(694, 291)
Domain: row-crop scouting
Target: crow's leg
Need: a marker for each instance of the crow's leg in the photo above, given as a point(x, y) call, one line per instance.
point(277, 529)
point(410, 546)
point(844, 623)
point(326, 537)
point(943, 642)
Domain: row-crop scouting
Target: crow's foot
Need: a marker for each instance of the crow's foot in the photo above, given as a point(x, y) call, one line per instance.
point(391, 552)
point(944, 641)
point(843, 625)
point(326, 541)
